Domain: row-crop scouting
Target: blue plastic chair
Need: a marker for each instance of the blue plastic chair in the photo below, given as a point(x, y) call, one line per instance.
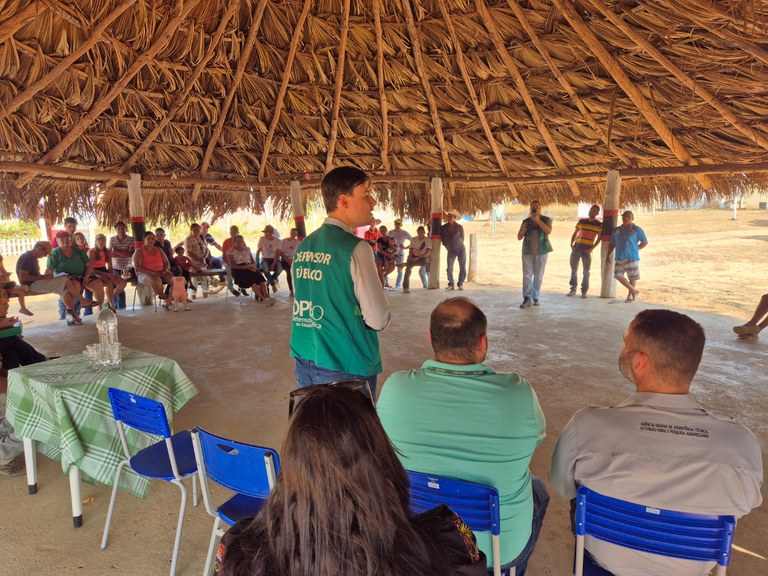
point(478, 506)
point(172, 459)
point(652, 530)
point(247, 470)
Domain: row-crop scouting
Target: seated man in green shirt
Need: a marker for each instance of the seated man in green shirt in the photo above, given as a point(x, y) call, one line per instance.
point(458, 418)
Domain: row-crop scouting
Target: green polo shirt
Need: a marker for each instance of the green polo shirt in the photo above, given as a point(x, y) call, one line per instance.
point(468, 422)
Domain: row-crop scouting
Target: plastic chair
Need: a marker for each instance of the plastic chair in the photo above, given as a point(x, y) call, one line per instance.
point(249, 471)
point(652, 530)
point(172, 459)
point(478, 506)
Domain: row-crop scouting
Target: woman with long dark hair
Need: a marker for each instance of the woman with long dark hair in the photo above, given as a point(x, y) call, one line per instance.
point(340, 505)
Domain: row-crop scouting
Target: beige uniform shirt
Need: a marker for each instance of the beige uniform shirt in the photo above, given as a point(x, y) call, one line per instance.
point(660, 450)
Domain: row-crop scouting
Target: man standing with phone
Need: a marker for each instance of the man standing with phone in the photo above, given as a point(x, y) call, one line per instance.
point(534, 232)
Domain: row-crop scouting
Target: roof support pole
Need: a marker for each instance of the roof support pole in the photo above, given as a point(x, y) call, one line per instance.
point(136, 208)
point(436, 193)
point(298, 209)
point(610, 221)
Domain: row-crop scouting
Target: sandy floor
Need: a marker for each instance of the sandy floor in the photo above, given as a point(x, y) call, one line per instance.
point(236, 354)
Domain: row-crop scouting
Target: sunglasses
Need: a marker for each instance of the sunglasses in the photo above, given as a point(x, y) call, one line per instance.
point(300, 393)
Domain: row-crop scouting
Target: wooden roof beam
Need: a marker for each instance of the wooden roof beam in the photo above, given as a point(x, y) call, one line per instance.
point(297, 34)
point(613, 68)
point(413, 33)
point(180, 98)
point(21, 18)
point(250, 42)
point(565, 83)
point(162, 41)
point(88, 175)
point(695, 87)
point(382, 92)
point(66, 62)
point(338, 83)
point(473, 95)
point(501, 48)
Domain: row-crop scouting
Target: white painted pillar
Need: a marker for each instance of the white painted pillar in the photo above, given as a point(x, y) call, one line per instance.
point(436, 193)
point(610, 221)
point(298, 209)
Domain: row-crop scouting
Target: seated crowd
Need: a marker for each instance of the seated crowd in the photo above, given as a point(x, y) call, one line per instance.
point(86, 278)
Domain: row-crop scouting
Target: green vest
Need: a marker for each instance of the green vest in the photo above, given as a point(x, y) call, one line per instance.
point(327, 325)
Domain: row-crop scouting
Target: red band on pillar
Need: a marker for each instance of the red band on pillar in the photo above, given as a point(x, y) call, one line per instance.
point(298, 219)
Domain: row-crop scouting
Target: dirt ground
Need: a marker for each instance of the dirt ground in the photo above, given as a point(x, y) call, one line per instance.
point(235, 352)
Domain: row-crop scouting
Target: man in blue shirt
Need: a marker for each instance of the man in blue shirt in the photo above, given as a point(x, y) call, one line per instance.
point(628, 239)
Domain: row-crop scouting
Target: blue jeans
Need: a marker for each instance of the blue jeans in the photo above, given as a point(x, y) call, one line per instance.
point(422, 264)
point(540, 503)
point(533, 274)
point(308, 374)
point(119, 300)
point(271, 274)
point(585, 257)
point(462, 256)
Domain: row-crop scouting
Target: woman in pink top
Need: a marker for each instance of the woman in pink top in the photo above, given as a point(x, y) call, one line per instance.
point(152, 267)
point(101, 259)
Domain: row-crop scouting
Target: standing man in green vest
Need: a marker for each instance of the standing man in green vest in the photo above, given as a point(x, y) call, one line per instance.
point(339, 305)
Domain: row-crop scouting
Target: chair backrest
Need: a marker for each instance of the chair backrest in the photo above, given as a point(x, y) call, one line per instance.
point(143, 414)
point(242, 468)
point(477, 504)
point(666, 532)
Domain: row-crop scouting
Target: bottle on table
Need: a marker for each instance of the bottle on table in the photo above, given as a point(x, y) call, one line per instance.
point(106, 323)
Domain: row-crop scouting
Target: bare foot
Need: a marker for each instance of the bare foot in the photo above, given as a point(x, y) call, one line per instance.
point(25, 312)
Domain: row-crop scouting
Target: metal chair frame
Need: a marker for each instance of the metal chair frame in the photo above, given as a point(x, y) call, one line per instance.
point(148, 416)
point(700, 537)
point(247, 470)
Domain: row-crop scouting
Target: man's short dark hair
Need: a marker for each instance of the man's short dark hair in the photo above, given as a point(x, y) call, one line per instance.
point(456, 326)
point(341, 180)
point(120, 223)
point(70, 220)
point(673, 342)
point(159, 231)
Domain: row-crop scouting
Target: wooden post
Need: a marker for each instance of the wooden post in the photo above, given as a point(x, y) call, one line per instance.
point(472, 270)
point(610, 221)
point(436, 192)
point(298, 209)
point(138, 228)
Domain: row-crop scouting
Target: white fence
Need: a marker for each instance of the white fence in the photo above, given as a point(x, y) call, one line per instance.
point(16, 246)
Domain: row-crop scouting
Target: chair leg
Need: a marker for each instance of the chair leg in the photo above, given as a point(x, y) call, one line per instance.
point(112, 503)
point(215, 534)
point(133, 305)
point(579, 569)
point(179, 526)
point(194, 490)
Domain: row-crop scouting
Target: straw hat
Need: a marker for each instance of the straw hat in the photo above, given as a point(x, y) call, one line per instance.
point(453, 212)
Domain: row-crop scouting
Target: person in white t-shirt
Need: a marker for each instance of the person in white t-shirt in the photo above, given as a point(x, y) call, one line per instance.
point(270, 250)
point(288, 249)
point(403, 241)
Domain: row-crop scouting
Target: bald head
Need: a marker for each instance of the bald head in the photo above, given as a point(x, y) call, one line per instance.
point(457, 328)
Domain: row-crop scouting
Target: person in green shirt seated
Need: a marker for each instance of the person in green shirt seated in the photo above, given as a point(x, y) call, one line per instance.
point(456, 417)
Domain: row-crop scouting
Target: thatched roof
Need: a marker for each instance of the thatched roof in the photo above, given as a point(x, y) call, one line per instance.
point(486, 93)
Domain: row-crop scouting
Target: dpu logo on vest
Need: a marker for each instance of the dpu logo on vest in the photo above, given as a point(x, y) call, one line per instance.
point(307, 314)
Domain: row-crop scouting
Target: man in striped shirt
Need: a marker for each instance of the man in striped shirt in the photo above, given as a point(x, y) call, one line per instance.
point(584, 239)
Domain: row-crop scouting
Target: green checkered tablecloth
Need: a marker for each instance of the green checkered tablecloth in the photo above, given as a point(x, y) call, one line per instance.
point(63, 405)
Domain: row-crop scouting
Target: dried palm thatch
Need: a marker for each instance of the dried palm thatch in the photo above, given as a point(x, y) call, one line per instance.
point(220, 104)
